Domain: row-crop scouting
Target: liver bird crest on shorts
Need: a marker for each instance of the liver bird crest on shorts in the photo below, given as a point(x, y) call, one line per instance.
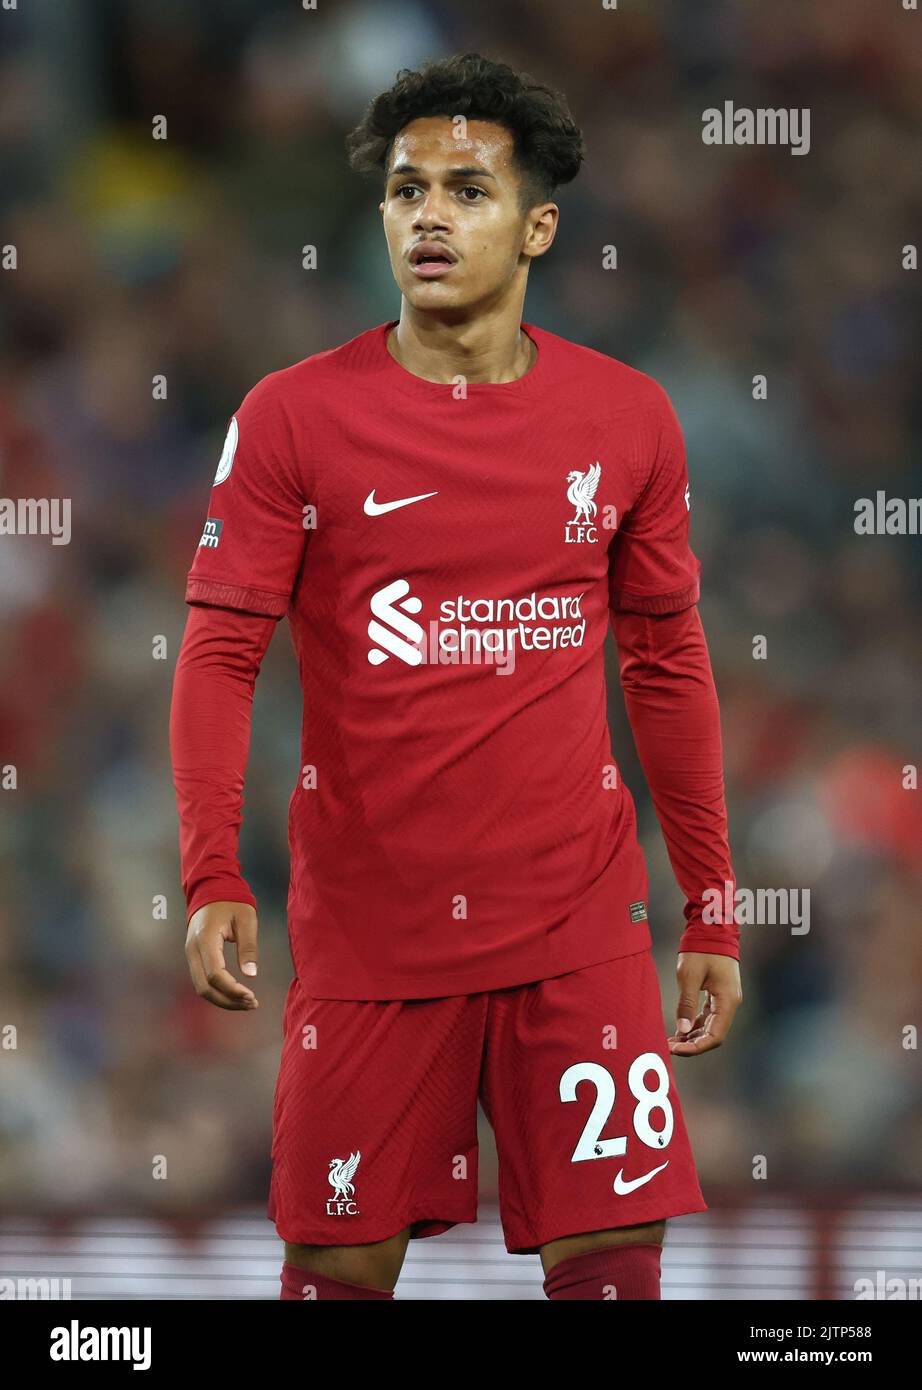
point(342, 1171)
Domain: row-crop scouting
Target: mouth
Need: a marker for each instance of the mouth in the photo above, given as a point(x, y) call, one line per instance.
point(429, 260)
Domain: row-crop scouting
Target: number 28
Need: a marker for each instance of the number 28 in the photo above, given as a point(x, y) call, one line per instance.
point(589, 1145)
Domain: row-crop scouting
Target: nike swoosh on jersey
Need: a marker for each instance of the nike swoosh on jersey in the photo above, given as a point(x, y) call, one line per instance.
point(622, 1187)
point(373, 508)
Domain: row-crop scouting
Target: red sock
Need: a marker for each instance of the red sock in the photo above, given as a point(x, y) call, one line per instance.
point(615, 1271)
point(305, 1284)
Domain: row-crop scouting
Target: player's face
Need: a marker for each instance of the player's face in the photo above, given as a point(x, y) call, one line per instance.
point(463, 195)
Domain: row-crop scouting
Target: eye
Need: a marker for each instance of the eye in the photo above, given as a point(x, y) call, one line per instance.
point(404, 188)
point(472, 188)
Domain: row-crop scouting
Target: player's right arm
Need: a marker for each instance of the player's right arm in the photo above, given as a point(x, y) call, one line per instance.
point(240, 584)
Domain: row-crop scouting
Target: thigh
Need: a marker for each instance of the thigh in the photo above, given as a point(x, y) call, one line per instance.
point(377, 1264)
point(580, 1091)
point(553, 1251)
point(375, 1118)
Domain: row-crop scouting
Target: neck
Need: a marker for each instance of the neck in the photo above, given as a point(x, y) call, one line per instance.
point(487, 349)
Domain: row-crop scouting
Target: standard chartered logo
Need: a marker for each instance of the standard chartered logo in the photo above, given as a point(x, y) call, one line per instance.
point(391, 629)
point(472, 632)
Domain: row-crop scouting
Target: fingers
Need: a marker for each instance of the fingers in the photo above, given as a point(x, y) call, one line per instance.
point(213, 996)
point(247, 949)
point(706, 1033)
point(209, 929)
point(699, 1019)
point(219, 978)
point(699, 1031)
point(233, 994)
point(691, 973)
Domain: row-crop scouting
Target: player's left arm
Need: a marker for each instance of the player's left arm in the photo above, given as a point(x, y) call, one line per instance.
point(672, 706)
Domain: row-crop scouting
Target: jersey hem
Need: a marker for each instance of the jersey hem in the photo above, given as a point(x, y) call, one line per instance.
point(473, 982)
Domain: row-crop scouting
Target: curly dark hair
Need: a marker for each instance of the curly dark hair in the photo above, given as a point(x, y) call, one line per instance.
point(548, 144)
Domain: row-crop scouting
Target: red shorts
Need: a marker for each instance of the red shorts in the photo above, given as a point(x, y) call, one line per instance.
point(375, 1116)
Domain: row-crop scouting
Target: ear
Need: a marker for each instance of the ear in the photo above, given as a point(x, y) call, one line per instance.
point(542, 228)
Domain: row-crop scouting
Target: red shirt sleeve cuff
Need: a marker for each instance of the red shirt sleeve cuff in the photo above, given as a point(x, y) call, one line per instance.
point(709, 944)
point(260, 601)
point(656, 604)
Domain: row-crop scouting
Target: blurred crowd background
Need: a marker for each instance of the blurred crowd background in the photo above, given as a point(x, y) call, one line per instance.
point(182, 257)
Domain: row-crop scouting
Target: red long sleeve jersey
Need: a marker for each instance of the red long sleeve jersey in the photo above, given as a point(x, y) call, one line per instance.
point(448, 557)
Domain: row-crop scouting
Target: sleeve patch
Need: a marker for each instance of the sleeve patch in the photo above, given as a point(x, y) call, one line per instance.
point(226, 461)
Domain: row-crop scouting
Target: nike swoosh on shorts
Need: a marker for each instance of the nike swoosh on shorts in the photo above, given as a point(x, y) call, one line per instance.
point(622, 1187)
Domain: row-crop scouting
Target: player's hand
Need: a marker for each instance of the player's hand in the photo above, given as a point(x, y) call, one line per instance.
point(209, 928)
point(702, 1030)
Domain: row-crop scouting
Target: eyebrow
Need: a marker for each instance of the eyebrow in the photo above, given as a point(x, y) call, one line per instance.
point(464, 171)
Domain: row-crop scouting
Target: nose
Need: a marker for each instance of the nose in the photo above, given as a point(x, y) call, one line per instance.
point(432, 212)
